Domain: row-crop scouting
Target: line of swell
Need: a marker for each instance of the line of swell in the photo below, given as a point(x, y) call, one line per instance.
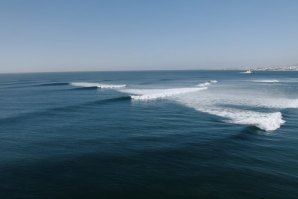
point(53, 84)
point(84, 88)
point(49, 111)
point(34, 85)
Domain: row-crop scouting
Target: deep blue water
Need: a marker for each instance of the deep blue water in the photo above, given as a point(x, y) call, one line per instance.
point(237, 138)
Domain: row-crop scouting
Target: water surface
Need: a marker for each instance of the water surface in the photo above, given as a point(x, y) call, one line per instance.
point(165, 134)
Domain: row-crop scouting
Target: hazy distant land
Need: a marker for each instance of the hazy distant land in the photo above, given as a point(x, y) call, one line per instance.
point(278, 68)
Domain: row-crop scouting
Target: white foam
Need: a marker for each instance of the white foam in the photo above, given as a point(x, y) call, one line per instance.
point(204, 84)
point(111, 86)
point(248, 99)
point(98, 85)
point(207, 83)
point(213, 81)
point(84, 84)
point(216, 102)
point(265, 121)
point(266, 80)
point(153, 94)
point(279, 103)
point(235, 103)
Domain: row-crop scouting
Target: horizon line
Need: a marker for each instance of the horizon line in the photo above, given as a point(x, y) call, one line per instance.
point(133, 70)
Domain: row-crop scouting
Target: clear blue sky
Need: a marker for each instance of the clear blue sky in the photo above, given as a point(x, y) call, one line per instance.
point(60, 35)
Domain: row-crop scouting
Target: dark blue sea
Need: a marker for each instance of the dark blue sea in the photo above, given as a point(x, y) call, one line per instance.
point(153, 134)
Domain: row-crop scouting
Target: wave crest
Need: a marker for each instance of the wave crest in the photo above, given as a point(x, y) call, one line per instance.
point(152, 94)
point(98, 85)
point(207, 83)
point(264, 121)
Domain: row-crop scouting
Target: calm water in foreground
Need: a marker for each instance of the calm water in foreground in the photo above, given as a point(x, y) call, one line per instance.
point(166, 134)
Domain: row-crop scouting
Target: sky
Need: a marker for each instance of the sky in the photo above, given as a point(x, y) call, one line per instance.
point(89, 35)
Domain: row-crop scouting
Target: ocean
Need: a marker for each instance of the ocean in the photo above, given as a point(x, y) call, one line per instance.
point(151, 134)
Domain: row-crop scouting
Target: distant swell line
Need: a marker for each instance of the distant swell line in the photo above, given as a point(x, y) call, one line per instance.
point(84, 88)
point(53, 84)
point(34, 85)
point(75, 107)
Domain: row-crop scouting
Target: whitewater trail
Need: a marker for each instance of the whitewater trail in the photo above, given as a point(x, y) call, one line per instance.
point(264, 121)
point(98, 85)
point(218, 102)
point(153, 94)
point(207, 83)
point(246, 98)
point(228, 104)
point(238, 106)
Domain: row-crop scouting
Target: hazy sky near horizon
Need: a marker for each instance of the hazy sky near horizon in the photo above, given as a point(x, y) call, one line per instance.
point(61, 35)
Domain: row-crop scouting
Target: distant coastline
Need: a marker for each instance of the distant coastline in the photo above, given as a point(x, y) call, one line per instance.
point(278, 68)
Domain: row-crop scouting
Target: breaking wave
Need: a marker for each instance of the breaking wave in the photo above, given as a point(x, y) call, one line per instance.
point(217, 103)
point(213, 81)
point(152, 94)
point(111, 86)
point(264, 121)
point(234, 105)
point(84, 84)
point(98, 85)
point(207, 83)
point(204, 84)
